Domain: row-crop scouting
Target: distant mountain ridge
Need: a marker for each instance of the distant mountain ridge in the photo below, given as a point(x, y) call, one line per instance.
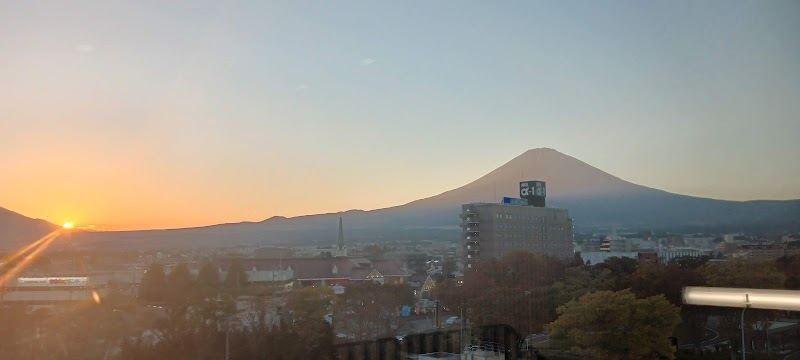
point(16, 228)
point(596, 198)
point(593, 197)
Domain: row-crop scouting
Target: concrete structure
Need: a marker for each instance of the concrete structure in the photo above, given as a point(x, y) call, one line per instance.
point(320, 271)
point(617, 244)
point(51, 290)
point(50, 297)
point(667, 255)
point(261, 275)
point(485, 351)
point(439, 356)
point(770, 251)
point(492, 230)
point(598, 257)
point(663, 256)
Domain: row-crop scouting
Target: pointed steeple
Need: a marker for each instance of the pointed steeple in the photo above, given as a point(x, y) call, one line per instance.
point(340, 249)
point(340, 242)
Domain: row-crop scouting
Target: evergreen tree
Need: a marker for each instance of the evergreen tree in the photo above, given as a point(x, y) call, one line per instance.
point(616, 325)
point(449, 267)
point(208, 277)
point(237, 277)
point(153, 284)
point(790, 266)
point(179, 284)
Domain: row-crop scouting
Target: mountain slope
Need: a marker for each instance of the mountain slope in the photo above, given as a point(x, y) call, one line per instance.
point(17, 229)
point(566, 177)
point(596, 198)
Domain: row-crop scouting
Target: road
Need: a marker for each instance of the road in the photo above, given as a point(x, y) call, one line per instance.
point(708, 344)
point(538, 339)
point(711, 344)
point(793, 356)
point(418, 326)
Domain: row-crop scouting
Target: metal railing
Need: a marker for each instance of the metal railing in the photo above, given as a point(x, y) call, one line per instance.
point(486, 347)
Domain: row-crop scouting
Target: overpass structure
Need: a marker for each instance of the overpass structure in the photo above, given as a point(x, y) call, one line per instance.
point(50, 291)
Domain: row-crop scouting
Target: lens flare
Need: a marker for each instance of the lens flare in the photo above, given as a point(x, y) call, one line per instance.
point(96, 297)
point(40, 245)
point(27, 248)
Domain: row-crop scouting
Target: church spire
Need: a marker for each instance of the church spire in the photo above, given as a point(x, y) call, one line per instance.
point(340, 242)
point(340, 249)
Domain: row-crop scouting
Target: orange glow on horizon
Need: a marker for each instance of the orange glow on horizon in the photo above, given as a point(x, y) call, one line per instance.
point(68, 225)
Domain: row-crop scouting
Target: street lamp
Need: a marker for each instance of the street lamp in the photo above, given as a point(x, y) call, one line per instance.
point(742, 298)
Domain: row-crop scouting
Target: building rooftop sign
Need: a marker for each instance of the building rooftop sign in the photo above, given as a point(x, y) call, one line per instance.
point(515, 201)
point(52, 281)
point(533, 191)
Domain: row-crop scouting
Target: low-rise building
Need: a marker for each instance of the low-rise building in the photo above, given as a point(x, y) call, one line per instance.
point(769, 251)
point(664, 256)
point(321, 271)
point(667, 255)
point(597, 257)
point(51, 290)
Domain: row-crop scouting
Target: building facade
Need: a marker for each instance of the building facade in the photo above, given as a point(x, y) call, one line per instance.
point(493, 230)
point(616, 243)
point(51, 290)
point(769, 251)
point(667, 255)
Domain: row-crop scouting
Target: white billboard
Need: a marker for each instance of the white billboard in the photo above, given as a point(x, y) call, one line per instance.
point(52, 281)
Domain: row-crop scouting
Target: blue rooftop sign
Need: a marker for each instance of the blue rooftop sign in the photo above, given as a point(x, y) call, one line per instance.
point(515, 201)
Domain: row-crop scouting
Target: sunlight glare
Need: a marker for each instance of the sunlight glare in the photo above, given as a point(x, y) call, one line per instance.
point(37, 246)
point(68, 225)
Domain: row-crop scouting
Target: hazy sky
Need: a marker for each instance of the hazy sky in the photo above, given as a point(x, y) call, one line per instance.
point(152, 114)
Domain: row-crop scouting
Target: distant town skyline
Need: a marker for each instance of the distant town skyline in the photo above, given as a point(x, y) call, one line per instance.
point(150, 115)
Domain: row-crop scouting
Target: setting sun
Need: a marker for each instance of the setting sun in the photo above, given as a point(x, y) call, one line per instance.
point(68, 225)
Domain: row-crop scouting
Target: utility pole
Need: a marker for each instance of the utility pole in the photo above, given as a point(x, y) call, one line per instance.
point(228, 343)
point(436, 314)
point(744, 350)
point(461, 335)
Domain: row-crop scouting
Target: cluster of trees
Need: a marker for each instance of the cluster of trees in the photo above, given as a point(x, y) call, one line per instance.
point(616, 325)
point(87, 331)
point(181, 316)
point(368, 310)
point(515, 290)
point(619, 309)
point(203, 334)
point(180, 286)
point(201, 316)
point(587, 307)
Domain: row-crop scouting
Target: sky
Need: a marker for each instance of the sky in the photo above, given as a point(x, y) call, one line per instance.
point(152, 114)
